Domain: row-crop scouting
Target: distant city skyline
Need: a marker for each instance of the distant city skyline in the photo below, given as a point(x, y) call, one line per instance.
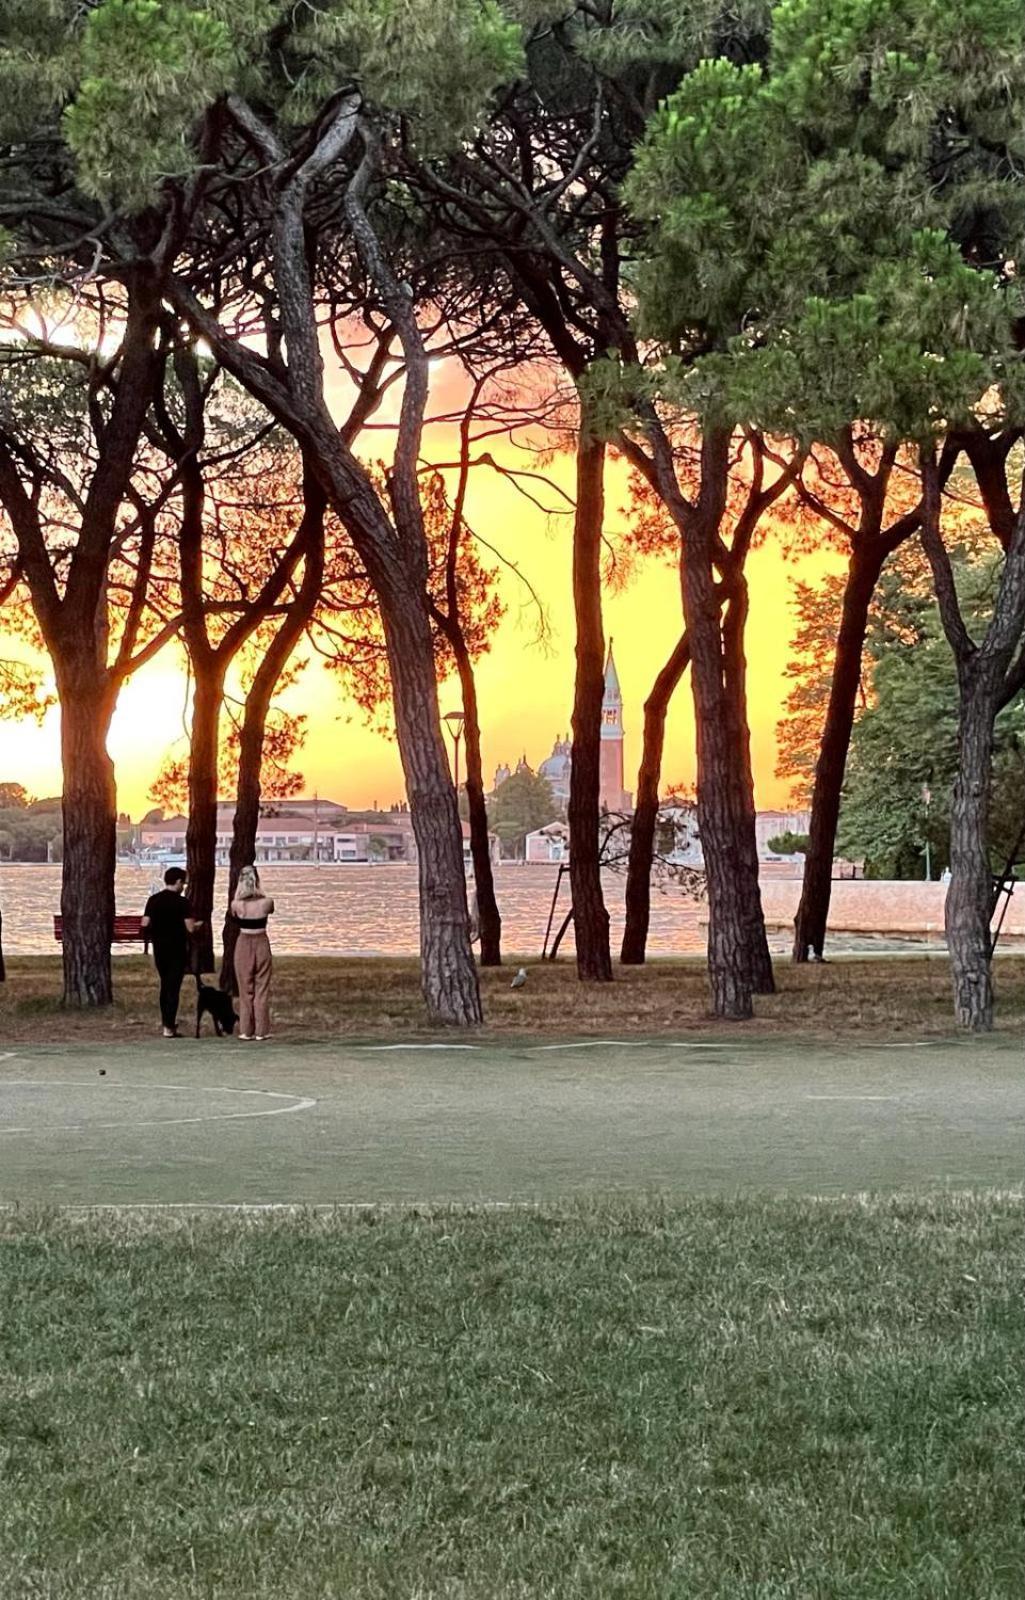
point(557, 767)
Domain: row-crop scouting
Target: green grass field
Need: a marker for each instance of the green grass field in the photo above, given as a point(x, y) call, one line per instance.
point(219, 1122)
point(662, 1311)
point(698, 1400)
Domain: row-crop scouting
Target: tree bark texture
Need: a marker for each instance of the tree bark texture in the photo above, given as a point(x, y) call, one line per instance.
point(489, 917)
point(990, 672)
point(970, 891)
point(590, 917)
point(721, 816)
point(448, 972)
point(734, 624)
point(89, 809)
point(201, 829)
point(645, 818)
point(397, 568)
point(863, 571)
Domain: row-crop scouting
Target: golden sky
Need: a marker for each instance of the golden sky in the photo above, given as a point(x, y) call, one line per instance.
point(525, 687)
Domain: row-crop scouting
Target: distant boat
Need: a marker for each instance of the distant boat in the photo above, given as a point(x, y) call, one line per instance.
point(154, 858)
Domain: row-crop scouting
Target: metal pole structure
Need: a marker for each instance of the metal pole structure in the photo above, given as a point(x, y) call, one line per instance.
point(551, 915)
point(455, 721)
point(927, 798)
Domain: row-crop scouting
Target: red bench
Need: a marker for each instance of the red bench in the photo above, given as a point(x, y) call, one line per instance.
point(127, 930)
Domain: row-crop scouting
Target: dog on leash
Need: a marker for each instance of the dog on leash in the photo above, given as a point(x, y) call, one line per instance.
point(219, 1007)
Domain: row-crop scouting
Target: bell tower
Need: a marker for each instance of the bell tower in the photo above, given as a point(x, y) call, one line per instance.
point(612, 794)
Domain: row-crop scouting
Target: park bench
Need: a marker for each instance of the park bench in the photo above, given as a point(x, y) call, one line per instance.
point(127, 930)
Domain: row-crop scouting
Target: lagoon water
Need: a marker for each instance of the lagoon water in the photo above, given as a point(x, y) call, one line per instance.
point(349, 910)
point(369, 911)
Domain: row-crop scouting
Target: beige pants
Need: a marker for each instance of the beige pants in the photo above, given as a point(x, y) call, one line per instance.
point(252, 973)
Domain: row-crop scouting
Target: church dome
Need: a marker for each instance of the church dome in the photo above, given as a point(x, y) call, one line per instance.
point(554, 766)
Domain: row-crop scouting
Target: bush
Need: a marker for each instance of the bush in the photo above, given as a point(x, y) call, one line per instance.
point(789, 844)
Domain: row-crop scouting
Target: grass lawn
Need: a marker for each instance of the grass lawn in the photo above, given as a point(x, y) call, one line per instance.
point(701, 1400)
point(219, 1122)
point(366, 998)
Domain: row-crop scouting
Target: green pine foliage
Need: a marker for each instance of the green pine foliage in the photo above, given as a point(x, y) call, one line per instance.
point(832, 234)
point(809, 673)
point(436, 61)
point(136, 80)
point(905, 741)
point(146, 70)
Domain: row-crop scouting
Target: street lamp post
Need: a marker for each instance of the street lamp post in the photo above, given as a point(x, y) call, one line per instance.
point(455, 721)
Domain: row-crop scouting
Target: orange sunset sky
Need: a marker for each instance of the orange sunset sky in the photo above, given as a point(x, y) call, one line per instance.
point(525, 687)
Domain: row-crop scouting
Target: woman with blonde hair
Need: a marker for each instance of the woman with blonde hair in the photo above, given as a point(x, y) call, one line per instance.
point(251, 908)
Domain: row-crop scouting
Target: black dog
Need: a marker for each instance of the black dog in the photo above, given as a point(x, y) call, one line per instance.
point(218, 1004)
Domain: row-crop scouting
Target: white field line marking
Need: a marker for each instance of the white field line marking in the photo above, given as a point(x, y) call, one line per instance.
point(626, 1044)
point(908, 1044)
point(589, 1044)
point(537, 1049)
point(299, 1205)
point(557, 1206)
point(696, 1044)
point(852, 1097)
point(301, 1103)
point(371, 1049)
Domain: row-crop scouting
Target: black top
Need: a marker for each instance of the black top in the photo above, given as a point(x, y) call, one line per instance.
point(167, 913)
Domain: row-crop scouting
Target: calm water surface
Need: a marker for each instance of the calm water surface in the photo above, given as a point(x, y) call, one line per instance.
point(348, 910)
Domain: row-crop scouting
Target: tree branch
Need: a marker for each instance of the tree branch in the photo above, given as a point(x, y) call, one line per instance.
point(958, 637)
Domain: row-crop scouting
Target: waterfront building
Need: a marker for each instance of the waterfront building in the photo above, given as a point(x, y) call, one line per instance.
point(550, 843)
point(302, 831)
point(294, 830)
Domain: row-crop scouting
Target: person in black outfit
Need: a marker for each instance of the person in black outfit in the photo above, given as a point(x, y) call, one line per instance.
point(168, 921)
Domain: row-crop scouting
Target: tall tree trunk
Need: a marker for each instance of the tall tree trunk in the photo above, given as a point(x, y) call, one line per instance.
point(863, 571)
point(257, 708)
point(735, 689)
point(970, 892)
point(489, 917)
point(729, 966)
point(393, 551)
point(448, 972)
point(990, 673)
point(720, 821)
point(247, 815)
point(590, 918)
point(642, 831)
point(247, 800)
point(201, 830)
point(89, 810)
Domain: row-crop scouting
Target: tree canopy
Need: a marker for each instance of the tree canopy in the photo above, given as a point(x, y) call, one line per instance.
point(522, 803)
point(905, 746)
point(833, 232)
